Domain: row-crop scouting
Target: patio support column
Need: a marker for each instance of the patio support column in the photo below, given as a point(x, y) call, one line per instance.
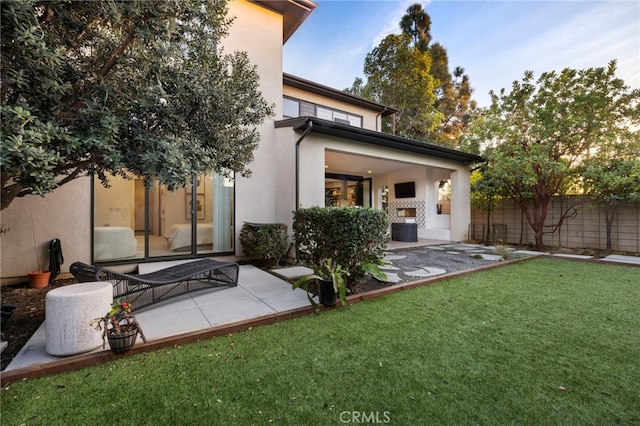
point(460, 205)
point(304, 134)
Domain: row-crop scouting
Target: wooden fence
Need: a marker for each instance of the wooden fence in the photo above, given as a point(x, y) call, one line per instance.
point(585, 229)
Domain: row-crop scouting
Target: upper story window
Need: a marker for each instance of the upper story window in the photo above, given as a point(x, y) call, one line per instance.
point(292, 108)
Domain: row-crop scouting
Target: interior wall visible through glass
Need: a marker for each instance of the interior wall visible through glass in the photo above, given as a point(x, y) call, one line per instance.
point(133, 222)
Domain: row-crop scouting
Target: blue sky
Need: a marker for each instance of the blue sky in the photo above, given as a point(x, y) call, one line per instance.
point(495, 41)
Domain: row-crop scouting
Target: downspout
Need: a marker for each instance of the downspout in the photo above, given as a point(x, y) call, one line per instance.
point(304, 134)
point(379, 115)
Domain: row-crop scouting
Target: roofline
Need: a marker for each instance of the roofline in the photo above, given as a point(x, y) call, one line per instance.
point(386, 140)
point(339, 95)
point(294, 13)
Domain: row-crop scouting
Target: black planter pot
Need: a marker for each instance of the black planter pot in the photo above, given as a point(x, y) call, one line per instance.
point(326, 293)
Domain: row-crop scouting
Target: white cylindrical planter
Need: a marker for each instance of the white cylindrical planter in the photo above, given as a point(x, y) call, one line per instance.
point(69, 311)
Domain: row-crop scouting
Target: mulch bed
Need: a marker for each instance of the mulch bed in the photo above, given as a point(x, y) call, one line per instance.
point(26, 318)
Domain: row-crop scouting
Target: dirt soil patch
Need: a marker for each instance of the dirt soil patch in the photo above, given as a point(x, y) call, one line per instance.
point(27, 316)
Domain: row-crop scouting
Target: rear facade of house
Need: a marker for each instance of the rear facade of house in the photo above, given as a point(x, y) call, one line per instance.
point(322, 147)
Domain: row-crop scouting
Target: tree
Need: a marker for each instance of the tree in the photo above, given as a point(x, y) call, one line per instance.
point(612, 177)
point(398, 76)
point(485, 194)
point(115, 86)
point(542, 130)
point(453, 90)
point(416, 23)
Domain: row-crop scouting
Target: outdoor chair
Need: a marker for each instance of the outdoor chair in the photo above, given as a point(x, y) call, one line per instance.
point(147, 289)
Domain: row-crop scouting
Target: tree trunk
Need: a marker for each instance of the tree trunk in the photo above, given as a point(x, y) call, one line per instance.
point(488, 238)
point(559, 230)
point(609, 216)
point(521, 226)
point(539, 217)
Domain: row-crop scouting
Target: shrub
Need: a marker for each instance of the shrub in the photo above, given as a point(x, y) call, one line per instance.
point(351, 236)
point(264, 241)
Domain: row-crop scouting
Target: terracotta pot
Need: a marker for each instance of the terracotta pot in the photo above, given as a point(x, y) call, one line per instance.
point(39, 279)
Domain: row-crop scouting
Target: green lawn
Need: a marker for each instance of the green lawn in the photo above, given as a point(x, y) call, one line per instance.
point(545, 341)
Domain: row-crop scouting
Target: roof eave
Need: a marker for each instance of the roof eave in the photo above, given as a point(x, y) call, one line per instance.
point(339, 95)
point(294, 13)
point(380, 139)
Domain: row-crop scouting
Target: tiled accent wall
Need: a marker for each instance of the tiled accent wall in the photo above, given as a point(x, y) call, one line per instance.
point(418, 205)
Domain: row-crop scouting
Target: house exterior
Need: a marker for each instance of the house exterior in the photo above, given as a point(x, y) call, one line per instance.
point(322, 147)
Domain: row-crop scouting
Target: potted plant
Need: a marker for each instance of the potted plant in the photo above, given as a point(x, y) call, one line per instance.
point(330, 277)
point(39, 278)
point(119, 328)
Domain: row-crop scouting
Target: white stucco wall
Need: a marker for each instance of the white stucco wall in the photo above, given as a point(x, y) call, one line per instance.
point(64, 214)
point(258, 31)
point(460, 204)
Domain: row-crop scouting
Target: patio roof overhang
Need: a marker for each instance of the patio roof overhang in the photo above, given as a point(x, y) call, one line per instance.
point(294, 13)
point(386, 140)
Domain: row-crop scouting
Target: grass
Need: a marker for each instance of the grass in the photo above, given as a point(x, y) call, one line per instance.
point(546, 341)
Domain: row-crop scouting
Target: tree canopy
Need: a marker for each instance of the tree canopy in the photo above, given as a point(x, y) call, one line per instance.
point(543, 130)
point(398, 75)
point(437, 107)
point(113, 86)
point(612, 177)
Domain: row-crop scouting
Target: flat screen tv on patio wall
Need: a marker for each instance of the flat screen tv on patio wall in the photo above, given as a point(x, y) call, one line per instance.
point(405, 189)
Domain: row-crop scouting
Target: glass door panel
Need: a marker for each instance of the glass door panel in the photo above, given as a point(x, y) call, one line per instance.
point(366, 193)
point(215, 231)
point(116, 213)
point(171, 235)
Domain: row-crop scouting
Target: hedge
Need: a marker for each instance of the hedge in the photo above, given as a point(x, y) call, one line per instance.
point(352, 236)
point(266, 242)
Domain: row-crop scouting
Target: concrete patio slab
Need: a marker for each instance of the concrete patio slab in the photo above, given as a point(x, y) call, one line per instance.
point(622, 258)
point(573, 256)
point(293, 272)
point(529, 252)
point(258, 294)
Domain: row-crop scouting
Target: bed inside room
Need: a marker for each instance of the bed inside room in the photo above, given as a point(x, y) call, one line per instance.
point(178, 236)
point(154, 221)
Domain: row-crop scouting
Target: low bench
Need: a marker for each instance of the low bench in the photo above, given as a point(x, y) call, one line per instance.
point(147, 289)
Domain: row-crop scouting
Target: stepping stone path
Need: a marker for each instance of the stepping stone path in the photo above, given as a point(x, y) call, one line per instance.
point(389, 268)
point(396, 274)
point(425, 272)
point(393, 278)
point(394, 257)
point(486, 256)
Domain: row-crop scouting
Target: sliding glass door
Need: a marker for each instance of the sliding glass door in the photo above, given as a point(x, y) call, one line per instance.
point(347, 190)
point(133, 222)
